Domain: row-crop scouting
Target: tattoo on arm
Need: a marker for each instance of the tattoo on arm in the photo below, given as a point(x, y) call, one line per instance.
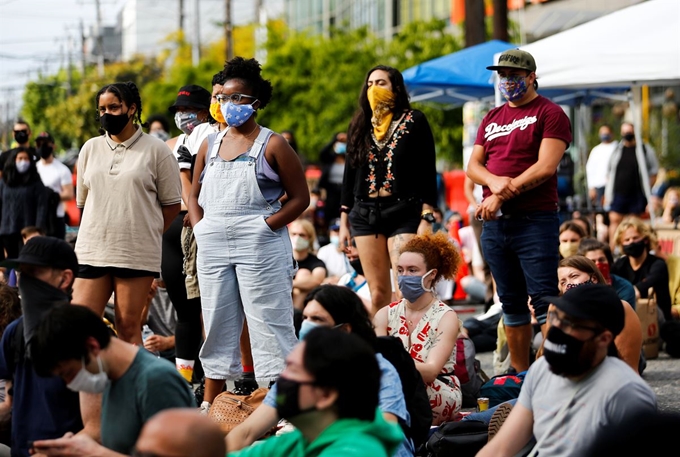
point(531, 184)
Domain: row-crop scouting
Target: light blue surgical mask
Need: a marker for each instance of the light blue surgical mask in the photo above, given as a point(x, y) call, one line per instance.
point(412, 287)
point(236, 115)
point(22, 166)
point(335, 240)
point(306, 327)
point(340, 148)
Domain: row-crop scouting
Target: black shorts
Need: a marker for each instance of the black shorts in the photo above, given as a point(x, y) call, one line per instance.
point(90, 272)
point(386, 216)
point(628, 204)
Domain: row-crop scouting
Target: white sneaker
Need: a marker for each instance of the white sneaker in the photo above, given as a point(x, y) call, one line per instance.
point(205, 408)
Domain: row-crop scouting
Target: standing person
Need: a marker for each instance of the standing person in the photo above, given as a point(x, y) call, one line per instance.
point(190, 111)
point(639, 266)
point(597, 165)
point(518, 148)
point(245, 259)
point(23, 201)
point(22, 135)
point(575, 393)
point(624, 193)
point(331, 179)
point(388, 144)
point(56, 176)
point(426, 326)
point(129, 189)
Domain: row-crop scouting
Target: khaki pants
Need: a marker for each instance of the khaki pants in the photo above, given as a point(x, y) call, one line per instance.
point(189, 252)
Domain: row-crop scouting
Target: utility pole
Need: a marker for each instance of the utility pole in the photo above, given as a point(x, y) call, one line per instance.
point(196, 48)
point(260, 32)
point(69, 68)
point(228, 30)
point(500, 20)
point(100, 40)
point(82, 49)
point(475, 30)
point(181, 15)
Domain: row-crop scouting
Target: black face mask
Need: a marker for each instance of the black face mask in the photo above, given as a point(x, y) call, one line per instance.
point(21, 136)
point(114, 123)
point(629, 136)
point(45, 151)
point(288, 398)
point(37, 298)
point(356, 264)
point(565, 354)
point(635, 249)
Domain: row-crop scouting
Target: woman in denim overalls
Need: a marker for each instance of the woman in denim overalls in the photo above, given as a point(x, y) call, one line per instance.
point(245, 262)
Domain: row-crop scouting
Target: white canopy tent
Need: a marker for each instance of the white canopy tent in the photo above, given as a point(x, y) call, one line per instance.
point(635, 46)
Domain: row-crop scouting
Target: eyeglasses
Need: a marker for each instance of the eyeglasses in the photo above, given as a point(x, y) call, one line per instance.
point(567, 324)
point(222, 99)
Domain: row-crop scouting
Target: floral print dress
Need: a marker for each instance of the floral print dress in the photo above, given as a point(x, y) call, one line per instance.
point(444, 392)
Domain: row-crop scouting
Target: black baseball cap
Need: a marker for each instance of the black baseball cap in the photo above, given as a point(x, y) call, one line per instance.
point(46, 251)
point(593, 302)
point(44, 136)
point(191, 96)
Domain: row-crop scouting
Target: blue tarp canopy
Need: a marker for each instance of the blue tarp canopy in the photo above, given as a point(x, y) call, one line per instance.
point(456, 78)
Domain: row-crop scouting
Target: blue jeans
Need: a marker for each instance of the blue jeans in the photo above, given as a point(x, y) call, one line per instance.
point(523, 253)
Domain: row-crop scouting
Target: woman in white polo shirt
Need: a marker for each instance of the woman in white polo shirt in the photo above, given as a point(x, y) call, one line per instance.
point(129, 189)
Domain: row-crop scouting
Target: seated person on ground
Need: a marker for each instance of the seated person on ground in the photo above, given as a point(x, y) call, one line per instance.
point(75, 344)
point(334, 411)
point(577, 270)
point(181, 431)
point(639, 266)
point(575, 383)
point(311, 271)
point(601, 254)
point(332, 306)
point(427, 327)
point(333, 256)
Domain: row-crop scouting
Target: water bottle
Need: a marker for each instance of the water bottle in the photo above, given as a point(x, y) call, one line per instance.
point(147, 332)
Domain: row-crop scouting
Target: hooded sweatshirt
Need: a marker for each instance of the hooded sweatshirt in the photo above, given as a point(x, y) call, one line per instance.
point(343, 438)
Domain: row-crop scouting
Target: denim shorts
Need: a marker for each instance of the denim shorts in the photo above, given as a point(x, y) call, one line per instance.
point(523, 253)
point(388, 216)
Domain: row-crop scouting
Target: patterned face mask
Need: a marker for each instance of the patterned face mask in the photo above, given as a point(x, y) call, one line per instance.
point(513, 87)
point(236, 115)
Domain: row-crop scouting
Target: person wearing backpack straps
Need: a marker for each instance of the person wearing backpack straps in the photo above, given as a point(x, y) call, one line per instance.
point(575, 393)
point(334, 306)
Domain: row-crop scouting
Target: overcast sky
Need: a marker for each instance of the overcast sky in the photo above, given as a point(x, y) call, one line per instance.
point(34, 38)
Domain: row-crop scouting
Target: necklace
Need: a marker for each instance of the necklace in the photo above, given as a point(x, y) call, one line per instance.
point(410, 322)
point(248, 135)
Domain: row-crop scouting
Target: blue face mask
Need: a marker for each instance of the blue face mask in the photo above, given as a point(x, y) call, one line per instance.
point(306, 327)
point(412, 287)
point(605, 138)
point(335, 240)
point(236, 115)
point(340, 148)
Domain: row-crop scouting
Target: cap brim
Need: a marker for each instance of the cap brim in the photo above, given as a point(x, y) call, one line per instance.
point(498, 67)
point(569, 308)
point(14, 263)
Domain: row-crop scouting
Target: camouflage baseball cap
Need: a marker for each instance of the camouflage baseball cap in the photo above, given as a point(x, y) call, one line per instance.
point(515, 58)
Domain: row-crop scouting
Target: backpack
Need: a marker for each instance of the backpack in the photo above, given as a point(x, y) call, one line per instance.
point(468, 371)
point(502, 388)
point(415, 393)
point(459, 439)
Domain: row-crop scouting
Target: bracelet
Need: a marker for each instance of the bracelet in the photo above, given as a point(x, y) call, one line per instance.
point(344, 209)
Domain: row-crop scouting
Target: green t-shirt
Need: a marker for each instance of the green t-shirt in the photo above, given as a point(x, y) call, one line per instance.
point(147, 387)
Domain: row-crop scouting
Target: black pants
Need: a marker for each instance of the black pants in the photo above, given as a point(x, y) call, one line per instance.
point(188, 333)
point(12, 244)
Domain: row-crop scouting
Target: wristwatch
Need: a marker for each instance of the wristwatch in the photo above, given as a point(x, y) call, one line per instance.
point(428, 216)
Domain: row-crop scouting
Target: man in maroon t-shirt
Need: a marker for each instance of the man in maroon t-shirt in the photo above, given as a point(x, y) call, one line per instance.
point(518, 148)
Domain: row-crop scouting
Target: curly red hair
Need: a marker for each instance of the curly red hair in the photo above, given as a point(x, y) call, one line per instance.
point(438, 251)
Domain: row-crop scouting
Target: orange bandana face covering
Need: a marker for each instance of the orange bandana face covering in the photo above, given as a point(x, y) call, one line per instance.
point(216, 113)
point(382, 102)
